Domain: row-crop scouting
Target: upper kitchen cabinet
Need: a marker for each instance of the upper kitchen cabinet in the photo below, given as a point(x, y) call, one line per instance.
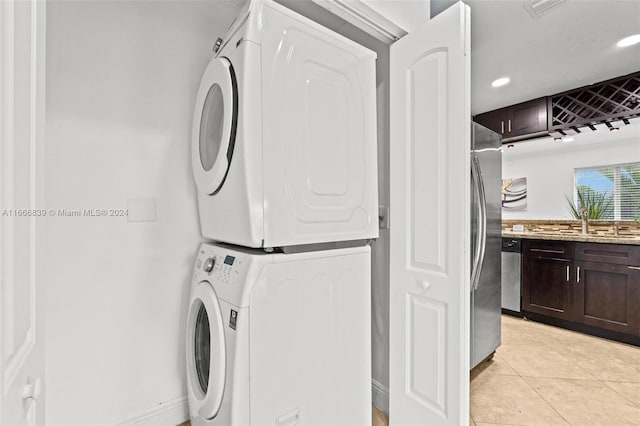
point(517, 122)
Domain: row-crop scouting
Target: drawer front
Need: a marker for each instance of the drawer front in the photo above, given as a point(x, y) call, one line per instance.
point(618, 254)
point(549, 249)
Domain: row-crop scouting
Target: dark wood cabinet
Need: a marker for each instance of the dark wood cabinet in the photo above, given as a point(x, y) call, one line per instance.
point(545, 286)
point(593, 285)
point(547, 269)
point(607, 292)
point(494, 120)
point(517, 122)
point(618, 254)
point(528, 118)
point(608, 286)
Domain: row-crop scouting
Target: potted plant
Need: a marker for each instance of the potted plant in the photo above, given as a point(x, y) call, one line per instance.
point(594, 205)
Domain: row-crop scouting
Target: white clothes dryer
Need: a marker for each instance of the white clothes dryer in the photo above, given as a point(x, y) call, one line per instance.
point(284, 147)
point(279, 339)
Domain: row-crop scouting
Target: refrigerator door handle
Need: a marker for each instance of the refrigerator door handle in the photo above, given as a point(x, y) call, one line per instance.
point(481, 235)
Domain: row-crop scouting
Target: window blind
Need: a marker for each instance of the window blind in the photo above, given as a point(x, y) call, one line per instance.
point(619, 184)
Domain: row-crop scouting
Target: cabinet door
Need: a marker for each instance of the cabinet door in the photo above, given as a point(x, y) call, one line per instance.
point(546, 284)
point(609, 296)
point(527, 118)
point(493, 120)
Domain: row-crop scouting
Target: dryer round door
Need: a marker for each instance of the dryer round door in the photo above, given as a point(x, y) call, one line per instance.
point(214, 126)
point(206, 353)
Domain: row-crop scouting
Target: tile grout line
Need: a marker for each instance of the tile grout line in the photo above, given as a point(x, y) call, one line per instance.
point(540, 395)
point(543, 398)
point(606, 383)
point(593, 379)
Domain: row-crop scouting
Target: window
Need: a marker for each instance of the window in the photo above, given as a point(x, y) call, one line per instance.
point(618, 186)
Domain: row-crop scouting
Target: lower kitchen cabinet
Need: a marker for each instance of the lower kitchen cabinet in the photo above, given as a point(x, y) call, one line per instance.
point(593, 285)
point(545, 285)
point(608, 285)
point(607, 292)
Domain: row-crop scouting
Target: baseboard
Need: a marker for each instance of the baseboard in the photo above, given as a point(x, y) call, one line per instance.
point(170, 413)
point(380, 396)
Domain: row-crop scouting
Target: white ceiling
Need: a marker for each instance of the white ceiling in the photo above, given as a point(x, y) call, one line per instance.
point(573, 45)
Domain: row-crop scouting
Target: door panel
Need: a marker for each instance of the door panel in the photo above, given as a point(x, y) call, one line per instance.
point(426, 201)
point(430, 190)
point(427, 361)
point(21, 165)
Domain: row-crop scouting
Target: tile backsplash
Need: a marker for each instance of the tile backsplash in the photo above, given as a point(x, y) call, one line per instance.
point(596, 227)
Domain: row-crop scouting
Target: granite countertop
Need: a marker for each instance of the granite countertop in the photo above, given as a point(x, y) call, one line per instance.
point(573, 236)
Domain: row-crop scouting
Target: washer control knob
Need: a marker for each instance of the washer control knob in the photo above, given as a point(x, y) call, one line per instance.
point(208, 265)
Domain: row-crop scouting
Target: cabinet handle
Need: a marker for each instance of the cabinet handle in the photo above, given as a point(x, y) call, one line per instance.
point(567, 273)
point(547, 251)
point(578, 273)
point(502, 127)
point(509, 125)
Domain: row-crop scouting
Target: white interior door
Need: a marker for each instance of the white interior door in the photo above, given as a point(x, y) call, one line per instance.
point(22, 52)
point(430, 221)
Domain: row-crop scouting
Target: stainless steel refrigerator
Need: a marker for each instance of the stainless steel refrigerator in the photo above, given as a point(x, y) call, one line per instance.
point(486, 218)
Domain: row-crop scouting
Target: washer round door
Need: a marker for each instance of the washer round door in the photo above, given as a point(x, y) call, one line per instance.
point(214, 126)
point(206, 354)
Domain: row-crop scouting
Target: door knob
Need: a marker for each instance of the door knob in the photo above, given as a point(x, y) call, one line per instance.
point(424, 285)
point(32, 391)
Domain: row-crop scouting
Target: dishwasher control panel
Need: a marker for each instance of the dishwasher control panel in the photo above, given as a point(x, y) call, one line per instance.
point(512, 245)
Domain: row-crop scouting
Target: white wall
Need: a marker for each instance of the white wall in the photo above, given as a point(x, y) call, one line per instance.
point(549, 167)
point(121, 82)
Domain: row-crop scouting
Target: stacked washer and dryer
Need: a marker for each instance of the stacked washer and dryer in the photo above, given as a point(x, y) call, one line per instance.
point(284, 158)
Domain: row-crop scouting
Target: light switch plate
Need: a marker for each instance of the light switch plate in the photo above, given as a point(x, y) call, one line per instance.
point(518, 228)
point(141, 209)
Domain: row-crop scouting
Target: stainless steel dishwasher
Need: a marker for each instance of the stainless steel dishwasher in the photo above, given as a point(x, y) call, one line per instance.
point(511, 276)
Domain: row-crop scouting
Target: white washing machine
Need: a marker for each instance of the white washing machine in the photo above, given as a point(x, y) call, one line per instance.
point(279, 339)
point(284, 134)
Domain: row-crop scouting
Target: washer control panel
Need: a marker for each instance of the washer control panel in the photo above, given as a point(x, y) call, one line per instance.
point(219, 267)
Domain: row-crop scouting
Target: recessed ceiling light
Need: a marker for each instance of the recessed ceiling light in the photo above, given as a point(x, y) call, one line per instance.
point(567, 140)
point(629, 41)
point(502, 81)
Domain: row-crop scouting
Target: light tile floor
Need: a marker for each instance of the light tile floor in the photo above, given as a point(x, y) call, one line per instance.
point(544, 375)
